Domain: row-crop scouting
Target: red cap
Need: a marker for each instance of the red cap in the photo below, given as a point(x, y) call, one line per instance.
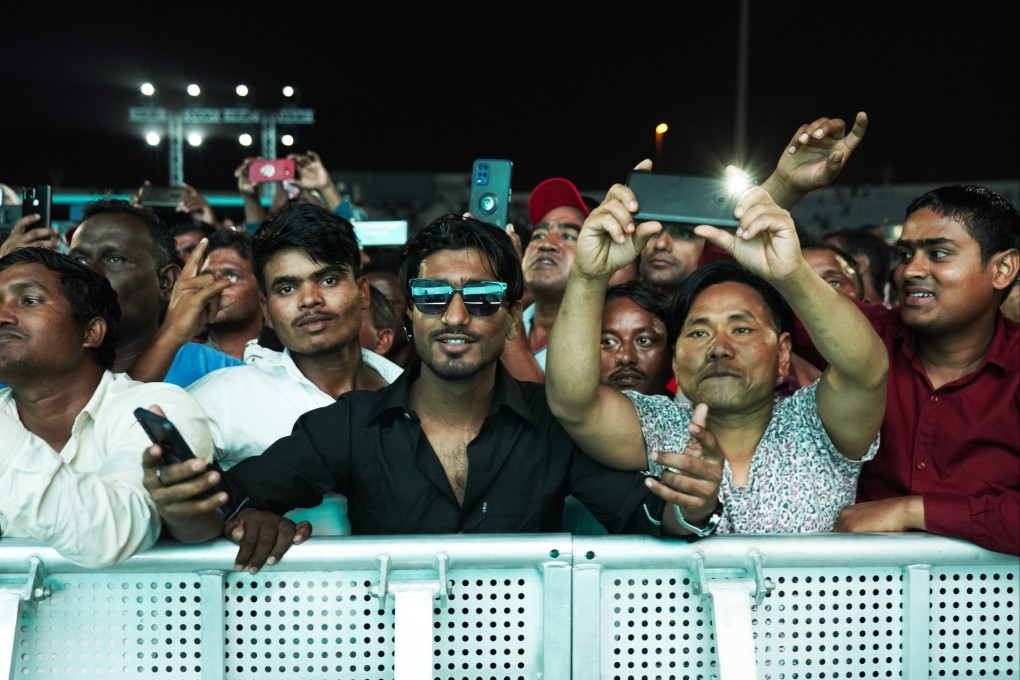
point(553, 193)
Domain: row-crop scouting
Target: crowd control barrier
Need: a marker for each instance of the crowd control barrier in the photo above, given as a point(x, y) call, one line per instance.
point(522, 607)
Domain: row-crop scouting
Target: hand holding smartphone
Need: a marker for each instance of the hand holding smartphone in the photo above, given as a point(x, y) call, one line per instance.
point(38, 200)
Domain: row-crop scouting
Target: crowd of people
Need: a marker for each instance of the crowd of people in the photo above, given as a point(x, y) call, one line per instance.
point(586, 372)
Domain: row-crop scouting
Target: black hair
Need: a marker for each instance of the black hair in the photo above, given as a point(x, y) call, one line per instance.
point(381, 310)
point(324, 236)
point(164, 249)
point(453, 232)
point(237, 240)
point(863, 241)
point(194, 225)
point(89, 294)
point(724, 271)
point(990, 219)
point(855, 269)
point(641, 295)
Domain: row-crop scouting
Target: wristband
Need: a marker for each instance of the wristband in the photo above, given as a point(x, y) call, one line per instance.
point(709, 527)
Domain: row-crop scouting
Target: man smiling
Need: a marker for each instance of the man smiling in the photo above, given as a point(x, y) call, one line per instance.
point(454, 445)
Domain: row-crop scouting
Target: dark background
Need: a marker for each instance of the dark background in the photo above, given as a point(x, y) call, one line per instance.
point(571, 90)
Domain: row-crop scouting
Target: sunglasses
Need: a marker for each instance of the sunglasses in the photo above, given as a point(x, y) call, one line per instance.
point(432, 296)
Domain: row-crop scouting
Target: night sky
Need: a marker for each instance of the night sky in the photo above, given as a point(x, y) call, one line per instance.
point(568, 91)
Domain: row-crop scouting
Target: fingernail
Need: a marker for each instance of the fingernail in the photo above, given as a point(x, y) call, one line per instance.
point(654, 456)
point(237, 535)
point(196, 465)
point(253, 570)
point(819, 132)
point(803, 138)
point(793, 149)
point(238, 567)
point(648, 482)
point(271, 560)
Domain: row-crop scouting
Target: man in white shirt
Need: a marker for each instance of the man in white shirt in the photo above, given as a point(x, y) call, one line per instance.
point(307, 263)
point(69, 462)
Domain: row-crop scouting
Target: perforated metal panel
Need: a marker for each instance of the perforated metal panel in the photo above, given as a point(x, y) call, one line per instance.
point(974, 626)
point(654, 628)
point(113, 626)
point(306, 625)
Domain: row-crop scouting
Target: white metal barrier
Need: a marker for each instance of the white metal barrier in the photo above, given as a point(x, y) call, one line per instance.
point(528, 607)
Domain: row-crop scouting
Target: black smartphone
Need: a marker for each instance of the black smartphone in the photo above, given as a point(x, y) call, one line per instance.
point(38, 200)
point(683, 199)
point(490, 190)
point(161, 196)
point(161, 431)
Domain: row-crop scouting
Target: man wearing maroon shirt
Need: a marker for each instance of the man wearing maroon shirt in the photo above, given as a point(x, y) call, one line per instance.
point(949, 462)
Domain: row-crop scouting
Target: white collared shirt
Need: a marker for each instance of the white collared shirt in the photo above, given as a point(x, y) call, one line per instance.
point(251, 406)
point(87, 500)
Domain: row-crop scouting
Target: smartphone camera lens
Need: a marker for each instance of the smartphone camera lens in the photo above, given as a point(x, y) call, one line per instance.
point(487, 204)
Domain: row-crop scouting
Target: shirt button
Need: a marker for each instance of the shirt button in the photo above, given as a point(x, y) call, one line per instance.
point(934, 398)
point(921, 466)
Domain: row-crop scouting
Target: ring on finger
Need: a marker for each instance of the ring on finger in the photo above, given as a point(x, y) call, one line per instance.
point(159, 476)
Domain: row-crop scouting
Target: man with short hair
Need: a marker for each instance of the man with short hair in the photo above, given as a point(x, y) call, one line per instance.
point(307, 265)
point(950, 457)
point(378, 326)
point(239, 319)
point(69, 454)
point(454, 445)
point(736, 460)
point(836, 267)
point(133, 249)
point(557, 211)
point(633, 350)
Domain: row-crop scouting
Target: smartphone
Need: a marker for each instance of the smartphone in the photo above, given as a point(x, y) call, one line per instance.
point(37, 200)
point(161, 431)
point(683, 199)
point(274, 170)
point(175, 450)
point(161, 196)
point(490, 190)
point(381, 232)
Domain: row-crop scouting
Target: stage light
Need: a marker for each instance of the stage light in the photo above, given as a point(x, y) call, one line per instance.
point(245, 139)
point(194, 90)
point(241, 90)
point(195, 139)
point(148, 89)
point(288, 91)
point(287, 140)
point(153, 138)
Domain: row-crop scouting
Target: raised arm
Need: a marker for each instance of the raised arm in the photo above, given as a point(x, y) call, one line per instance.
point(195, 300)
point(851, 395)
point(813, 159)
point(600, 419)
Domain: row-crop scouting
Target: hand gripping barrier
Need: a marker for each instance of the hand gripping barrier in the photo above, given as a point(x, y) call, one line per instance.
point(527, 607)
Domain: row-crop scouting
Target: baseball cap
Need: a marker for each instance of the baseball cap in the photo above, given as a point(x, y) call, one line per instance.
point(552, 193)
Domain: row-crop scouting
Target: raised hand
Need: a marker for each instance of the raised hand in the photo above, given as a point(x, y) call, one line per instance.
point(814, 158)
point(609, 239)
point(27, 233)
point(764, 242)
point(195, 300)
point(691, 478)
point(198, 207)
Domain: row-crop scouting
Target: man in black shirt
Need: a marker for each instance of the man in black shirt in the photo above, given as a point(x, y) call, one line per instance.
point(455, 445)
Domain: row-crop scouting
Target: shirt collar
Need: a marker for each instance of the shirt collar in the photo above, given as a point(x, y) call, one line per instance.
point(397, 395)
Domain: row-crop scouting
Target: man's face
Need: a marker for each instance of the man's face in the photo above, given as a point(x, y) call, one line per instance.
point(634, 354)
point(455, 345)
point(941, 283)
point(186, 242)
point(389, 284)
point(119, 246)
point(38, 333)
point(313, 307)
point(550, 252)
point(833, 270)
point(243, 297)
point(670, 257)
point(729, 354)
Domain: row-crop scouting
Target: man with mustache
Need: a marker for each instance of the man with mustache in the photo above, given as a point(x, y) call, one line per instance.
point(737, 460)
point(307, 265)
point(456, 444)
point(633, 342)
point(557, 210)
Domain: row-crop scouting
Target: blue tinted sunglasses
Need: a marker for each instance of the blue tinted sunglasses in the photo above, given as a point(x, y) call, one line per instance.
point(432, 296)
